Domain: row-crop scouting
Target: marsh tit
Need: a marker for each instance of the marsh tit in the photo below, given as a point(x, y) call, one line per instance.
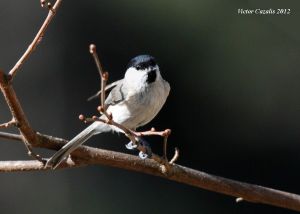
point(133, 102)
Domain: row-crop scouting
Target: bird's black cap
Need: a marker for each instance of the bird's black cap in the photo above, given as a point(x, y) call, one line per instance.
point(142, 61)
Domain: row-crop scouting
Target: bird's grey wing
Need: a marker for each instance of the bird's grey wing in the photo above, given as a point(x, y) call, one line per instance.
point(117, 94)
point(107, 88)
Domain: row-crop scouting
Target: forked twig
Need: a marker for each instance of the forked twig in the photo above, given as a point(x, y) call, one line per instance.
point(37, 39)
point(10, 123)
point(103, 75)
point(19, 118)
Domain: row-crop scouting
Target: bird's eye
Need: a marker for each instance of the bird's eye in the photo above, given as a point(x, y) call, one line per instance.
point(138, 67)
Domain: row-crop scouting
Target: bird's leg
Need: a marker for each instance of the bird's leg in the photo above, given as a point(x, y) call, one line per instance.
point(165, 134)
point(147, 153)
point(143, 154)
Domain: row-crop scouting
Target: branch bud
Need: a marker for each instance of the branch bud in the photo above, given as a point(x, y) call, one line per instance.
point(100, 109)
point(81, 117)
point(43, 2)
point(49, 5)
point(105, 76)
point(167, 132)
point(92, 48)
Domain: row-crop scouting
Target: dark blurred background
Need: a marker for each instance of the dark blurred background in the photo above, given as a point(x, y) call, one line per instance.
point(234, 106)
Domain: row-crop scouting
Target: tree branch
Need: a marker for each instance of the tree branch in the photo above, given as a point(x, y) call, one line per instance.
point(85, 155)
point(9, 136)
point(31, 165)
point(15, 108)
point(19, 118)
point(37, 39)
point(18, 114)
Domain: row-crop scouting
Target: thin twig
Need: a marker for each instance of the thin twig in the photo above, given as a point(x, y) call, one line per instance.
point(10, 136)
point(104, 79)
point(37, 39)
point(175, 157)
point(102, 110)
point(10, 123)
point(103, 75)
point(152, 132)
point(165, 147)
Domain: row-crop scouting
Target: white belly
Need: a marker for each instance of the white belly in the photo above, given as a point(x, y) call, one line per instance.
point(140, 108)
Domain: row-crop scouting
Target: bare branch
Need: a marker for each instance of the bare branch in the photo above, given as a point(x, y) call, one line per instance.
point(175, 157)
point(32, 165)
point(9, 136)
point(8, 124)
point(103, 75)
point(18, 114)
point(87, 155)
point(152, 132)
point(37, 39)
point(16, 109)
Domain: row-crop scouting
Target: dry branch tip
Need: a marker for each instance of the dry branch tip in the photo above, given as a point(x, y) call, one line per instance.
point(92, 48)
point(175, 157)
point(100, 109)
point(43, 3)
point(238, 200)
point(10, 123)
point(105, 76)
point(81, 117)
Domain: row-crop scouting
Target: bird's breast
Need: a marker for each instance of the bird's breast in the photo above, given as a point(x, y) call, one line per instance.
point(141, 106)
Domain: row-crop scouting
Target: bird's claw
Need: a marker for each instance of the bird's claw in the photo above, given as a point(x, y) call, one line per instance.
point(143, 155)
point(141, 141)
point(131, 146)
point(147, 153)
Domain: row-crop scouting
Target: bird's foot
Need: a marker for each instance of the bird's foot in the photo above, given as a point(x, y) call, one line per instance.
point(131, 145)
point(142, 154)
point(148, 152)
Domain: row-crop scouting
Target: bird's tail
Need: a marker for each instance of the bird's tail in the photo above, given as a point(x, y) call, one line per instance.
point(83, 136)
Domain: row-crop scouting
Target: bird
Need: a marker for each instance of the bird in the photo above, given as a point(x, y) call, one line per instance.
point(133, 102)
